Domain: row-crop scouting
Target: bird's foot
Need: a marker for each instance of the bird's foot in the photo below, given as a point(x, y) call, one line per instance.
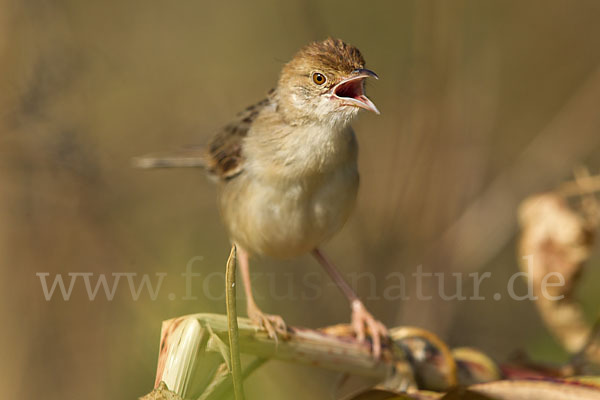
point(362, 319)
point(273, 324)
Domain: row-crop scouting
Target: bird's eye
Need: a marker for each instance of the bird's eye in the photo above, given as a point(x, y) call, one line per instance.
point(318, 78)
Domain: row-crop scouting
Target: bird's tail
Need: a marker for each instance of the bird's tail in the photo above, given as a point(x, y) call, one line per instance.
point(186, 158)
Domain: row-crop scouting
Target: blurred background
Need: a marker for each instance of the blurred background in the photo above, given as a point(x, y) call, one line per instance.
point(483, 103)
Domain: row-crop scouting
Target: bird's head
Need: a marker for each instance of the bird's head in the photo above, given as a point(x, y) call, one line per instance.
point(324, 83)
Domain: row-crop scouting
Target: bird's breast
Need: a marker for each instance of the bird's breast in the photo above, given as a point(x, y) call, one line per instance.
point(297, 189)
point(282, 217)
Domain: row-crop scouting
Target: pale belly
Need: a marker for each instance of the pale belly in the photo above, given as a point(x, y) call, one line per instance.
point(287, 219)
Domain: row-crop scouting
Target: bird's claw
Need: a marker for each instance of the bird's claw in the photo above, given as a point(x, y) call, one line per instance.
point(273, 324)
point(362, 319)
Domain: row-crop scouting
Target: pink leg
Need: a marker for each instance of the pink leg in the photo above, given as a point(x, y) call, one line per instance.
point(273, 324)
point(361, 318)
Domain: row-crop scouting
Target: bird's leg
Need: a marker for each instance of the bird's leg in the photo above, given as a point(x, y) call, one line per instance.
point(361, 318)
point(273, 324)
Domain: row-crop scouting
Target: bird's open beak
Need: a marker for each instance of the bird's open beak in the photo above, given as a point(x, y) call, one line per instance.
point(352, 90)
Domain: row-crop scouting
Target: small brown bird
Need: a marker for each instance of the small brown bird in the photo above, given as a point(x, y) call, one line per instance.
point(287, 169)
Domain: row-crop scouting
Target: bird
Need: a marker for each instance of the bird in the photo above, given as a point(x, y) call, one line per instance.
point(286, 170)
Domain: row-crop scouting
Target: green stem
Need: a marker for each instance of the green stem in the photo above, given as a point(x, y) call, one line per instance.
point(232, 325)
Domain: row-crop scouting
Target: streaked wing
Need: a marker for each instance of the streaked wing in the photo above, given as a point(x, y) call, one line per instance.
point(222, 157)
point(225, 156)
